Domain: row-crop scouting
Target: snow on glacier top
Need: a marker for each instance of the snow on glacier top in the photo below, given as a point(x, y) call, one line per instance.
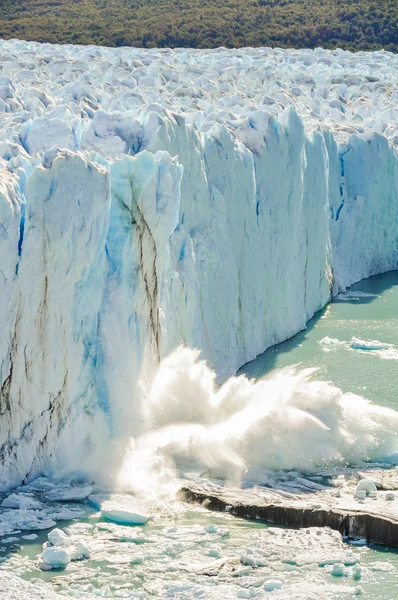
point(111, 101)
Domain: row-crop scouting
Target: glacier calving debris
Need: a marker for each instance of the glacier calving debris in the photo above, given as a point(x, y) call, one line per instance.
point(153, 197)
point(215, 557)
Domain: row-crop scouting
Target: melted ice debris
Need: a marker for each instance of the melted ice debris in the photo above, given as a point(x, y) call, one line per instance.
point(373, 347)
point(273, 584)
point(15, 588)
point(328, 341)
point(29, 508)
point(24, 520)
point(217, 557)
point(121, 533)
point(120, 508)
point(381, 566)
point(60, 550)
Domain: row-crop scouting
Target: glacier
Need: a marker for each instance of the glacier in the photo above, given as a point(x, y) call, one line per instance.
point(152, 198)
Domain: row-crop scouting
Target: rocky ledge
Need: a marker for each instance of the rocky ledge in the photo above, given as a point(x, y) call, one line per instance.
point(360, 504)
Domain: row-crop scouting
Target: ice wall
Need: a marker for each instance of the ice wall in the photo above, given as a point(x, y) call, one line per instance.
point(53, 233)
point(153, 198)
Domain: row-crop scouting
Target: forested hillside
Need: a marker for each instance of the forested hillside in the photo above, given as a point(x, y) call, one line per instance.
point(350, 24)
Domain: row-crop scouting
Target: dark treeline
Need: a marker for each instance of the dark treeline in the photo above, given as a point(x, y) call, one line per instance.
point(349, 24)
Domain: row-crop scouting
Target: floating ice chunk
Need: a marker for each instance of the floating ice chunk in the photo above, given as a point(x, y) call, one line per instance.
point(122, 533)
point(120, 508)
point(80, 551)
point(357, 572)
point(365, 485)
point(350, 558)
point(12, 587)
point(353, 295)
point(360, 542)
point(242, 572)
point(30, 537)
point(338, 570)
point(381, 566)
point(253, 559)
point(17, 520)
point(20, 501)
point(250, 593)
point(328, 341)
point(57, 537)
point(40, 484)
point(390, 496)
point(41, 523)
point(54, 557)
point(374, 347)
point(73, 494)
point(273, 584)
point(358, 344)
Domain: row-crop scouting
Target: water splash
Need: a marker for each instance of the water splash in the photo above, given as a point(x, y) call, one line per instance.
point(286, 420)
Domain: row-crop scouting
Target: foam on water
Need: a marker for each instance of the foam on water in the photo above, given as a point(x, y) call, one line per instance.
point(287, 420)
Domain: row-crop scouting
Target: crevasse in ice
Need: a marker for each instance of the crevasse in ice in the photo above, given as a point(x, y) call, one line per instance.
point(155, 197)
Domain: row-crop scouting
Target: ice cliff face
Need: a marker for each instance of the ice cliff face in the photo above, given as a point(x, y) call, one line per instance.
point(151, 198)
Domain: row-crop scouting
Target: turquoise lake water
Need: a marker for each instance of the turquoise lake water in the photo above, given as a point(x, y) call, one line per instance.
point(368, 312)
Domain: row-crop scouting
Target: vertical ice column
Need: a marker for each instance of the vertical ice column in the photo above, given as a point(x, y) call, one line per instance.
point(137, 295)
point(316, 245)
point(52, 405)
point(192, 245)
point(205, 290)
point(10, 236)
point(252, 270)
point(364, 226)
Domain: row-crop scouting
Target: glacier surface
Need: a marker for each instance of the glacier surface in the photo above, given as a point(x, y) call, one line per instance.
point(150, 198)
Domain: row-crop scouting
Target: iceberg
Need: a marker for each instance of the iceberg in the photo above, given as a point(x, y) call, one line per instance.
point(120, 508)
point(58, 538)
point(152, 198)
point(54, 557)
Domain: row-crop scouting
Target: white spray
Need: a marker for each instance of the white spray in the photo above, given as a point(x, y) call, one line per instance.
point(243, 428)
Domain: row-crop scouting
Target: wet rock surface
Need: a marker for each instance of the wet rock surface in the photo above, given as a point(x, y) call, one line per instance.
point(299, 502)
